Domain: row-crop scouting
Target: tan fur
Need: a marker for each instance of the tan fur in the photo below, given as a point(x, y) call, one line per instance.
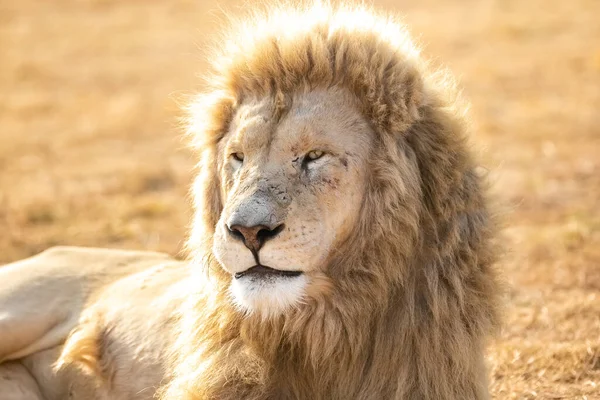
point(402, 303)
point(119, 348)
point(42, 299)
point(412, 292)
point(16, 383)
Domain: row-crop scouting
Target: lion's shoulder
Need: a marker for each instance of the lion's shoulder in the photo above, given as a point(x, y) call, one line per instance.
point(41, 297)
point(122, 339)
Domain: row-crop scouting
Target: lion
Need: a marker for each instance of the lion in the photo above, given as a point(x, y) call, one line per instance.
point(342, 245)
point(43, 298)
point(348, 237)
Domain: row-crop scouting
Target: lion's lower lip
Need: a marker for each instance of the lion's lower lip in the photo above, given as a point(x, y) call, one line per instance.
point(264, 271)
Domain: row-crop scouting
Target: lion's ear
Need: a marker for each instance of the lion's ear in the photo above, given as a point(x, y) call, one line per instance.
point(412, 98)
point(395, 98)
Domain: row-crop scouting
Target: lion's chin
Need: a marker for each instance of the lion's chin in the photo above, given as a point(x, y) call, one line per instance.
point(268, 295)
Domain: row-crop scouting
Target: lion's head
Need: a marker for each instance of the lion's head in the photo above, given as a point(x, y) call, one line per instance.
point(337, 201)
point(292, 186)
point(306, 155)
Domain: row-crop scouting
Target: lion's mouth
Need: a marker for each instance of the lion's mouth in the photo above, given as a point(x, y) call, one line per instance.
point(262, 271)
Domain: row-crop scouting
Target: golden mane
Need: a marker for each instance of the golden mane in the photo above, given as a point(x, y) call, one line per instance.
point(414, 289)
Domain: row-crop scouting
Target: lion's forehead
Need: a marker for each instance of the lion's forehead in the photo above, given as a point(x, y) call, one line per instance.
point(317, 120)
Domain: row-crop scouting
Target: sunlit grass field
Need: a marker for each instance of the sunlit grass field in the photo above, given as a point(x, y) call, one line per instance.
point(91, 154)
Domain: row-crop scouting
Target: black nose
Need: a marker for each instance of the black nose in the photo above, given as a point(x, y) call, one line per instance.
point(254, 237)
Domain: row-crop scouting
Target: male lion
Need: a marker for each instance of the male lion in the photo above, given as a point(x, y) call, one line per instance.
point(341, 244)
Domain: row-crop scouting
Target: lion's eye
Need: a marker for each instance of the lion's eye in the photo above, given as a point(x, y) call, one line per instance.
point(314, 155)
point(239, 156)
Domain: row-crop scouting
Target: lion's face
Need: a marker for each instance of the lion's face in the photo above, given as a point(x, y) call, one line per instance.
point(292, 190)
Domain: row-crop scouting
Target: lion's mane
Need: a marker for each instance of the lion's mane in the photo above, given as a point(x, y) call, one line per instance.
point(414, 288)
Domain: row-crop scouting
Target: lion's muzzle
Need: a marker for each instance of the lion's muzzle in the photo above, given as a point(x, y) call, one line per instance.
point(256, 219)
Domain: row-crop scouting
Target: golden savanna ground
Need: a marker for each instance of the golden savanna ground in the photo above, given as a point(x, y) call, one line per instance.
point(90, 152)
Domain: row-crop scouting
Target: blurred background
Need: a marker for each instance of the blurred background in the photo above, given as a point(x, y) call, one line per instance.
point(91, 154)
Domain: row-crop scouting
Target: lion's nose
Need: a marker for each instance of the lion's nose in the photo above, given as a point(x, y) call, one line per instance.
point(254, 237)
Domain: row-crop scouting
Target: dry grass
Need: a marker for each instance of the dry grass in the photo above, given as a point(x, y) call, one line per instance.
point(89, 152)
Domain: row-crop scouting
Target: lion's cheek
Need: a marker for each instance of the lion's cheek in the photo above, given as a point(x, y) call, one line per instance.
point(342, 209)
point(303, 246)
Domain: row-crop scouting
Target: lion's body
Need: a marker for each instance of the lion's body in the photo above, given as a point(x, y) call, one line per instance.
point(63, 279)
point(17, 383)
point(120, 346)
point(121, 304)
point(342, 243)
